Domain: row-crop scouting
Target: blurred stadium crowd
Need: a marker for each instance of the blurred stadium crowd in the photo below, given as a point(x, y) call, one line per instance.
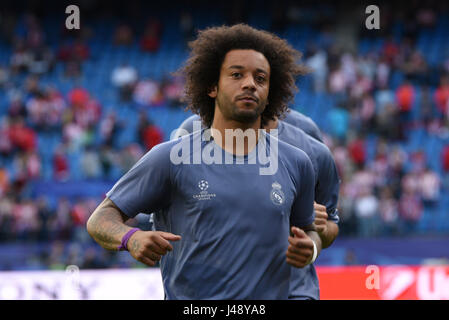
point(83, 106)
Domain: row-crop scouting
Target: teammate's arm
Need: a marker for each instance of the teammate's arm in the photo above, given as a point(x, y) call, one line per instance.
point(326, 229)
point(107, 227)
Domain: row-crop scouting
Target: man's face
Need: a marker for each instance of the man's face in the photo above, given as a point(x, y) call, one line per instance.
point(242, 91)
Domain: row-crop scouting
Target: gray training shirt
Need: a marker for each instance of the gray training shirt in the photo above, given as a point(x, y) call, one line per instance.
point(233, 220)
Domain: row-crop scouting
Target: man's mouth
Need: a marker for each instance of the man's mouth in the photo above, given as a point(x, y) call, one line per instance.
point(247, 99)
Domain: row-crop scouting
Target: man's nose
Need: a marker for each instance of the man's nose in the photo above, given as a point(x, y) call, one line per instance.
point(248, 83)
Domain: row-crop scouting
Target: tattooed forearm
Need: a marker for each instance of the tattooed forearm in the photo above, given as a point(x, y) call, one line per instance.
point(106, 225)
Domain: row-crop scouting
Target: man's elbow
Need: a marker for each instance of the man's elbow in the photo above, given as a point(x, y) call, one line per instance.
point(91, 225)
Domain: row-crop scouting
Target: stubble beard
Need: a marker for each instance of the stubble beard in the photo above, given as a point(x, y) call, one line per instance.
point(232, 112)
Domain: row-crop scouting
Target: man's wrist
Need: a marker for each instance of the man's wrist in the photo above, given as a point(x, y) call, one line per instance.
point(124, 243)
point(315, 253)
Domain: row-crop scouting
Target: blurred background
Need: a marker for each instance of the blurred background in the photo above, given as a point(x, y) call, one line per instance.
point(79, 107)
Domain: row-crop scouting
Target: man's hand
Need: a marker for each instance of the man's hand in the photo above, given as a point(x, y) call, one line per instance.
point(320, 219)
point(149, 246)
point(300, 250)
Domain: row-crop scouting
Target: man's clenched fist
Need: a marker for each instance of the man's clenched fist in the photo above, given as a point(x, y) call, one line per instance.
point(149, 246)
point(300, 250)
point(320, 219)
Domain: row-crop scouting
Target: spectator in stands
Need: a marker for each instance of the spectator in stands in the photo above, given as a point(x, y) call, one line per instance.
point(38, 110)
point(110, 127)
point(22, 137)
point(426, 108)
point(107, 160)
point(382, 73)
point(6, 218)
point(44, 216)
point(152, 36)
point(442, 96)
point(410, 210)
point(6, 144)
point(405, 96)
point(124, 77)
point(28, 165)
point(21, 58)
point(148, 93)
point(61, 224)
point(4, 76)
point(151, 135)
point(348, 220)
point(73, 54)
point(415, 68)
point(390, 50)
point(4, 182)
point(388, 210)
point(90, 163)
point(357, 152)
point(429, 187)
point(41, 61)
point(123, 35)
point(366, 208)
point(172, 89)
point(60, 164)
point(17, 108)
point(129, 156)
point(337, 81)
point(338, 119)
point(26, 223)
point(73, 136)
point(317, 62)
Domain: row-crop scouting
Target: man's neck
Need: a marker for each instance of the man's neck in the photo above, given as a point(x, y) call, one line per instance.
point(271, 124)
point(232, 140)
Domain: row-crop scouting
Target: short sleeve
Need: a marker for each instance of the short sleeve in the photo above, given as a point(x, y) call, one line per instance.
point(146, 186)
point(302, 213)
point(328, 185)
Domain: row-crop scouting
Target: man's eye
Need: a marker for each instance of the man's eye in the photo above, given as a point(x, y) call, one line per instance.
point(236, 75)
point(260, 79)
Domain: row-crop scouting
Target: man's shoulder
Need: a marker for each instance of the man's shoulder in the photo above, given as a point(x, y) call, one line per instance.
point(303, 122)
point(290, 152)
point(187, 126)
point(319, 146)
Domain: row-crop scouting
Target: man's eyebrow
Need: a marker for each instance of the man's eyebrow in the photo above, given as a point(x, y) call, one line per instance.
point(242, 67)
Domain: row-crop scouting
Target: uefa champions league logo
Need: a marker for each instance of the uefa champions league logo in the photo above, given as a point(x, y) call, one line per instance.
point(203, 185)
point(204, 195)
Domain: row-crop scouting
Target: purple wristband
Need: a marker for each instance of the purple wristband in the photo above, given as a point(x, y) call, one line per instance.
point(123, 245)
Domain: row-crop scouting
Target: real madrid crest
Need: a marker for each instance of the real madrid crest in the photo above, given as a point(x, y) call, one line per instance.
point(276, 195)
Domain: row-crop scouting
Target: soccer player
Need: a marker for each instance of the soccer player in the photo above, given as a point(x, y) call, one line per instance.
point(304, 283)
point(225, 231)
point(293, 117)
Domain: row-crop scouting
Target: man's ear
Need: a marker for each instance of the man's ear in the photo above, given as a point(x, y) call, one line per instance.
point(213, 92)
